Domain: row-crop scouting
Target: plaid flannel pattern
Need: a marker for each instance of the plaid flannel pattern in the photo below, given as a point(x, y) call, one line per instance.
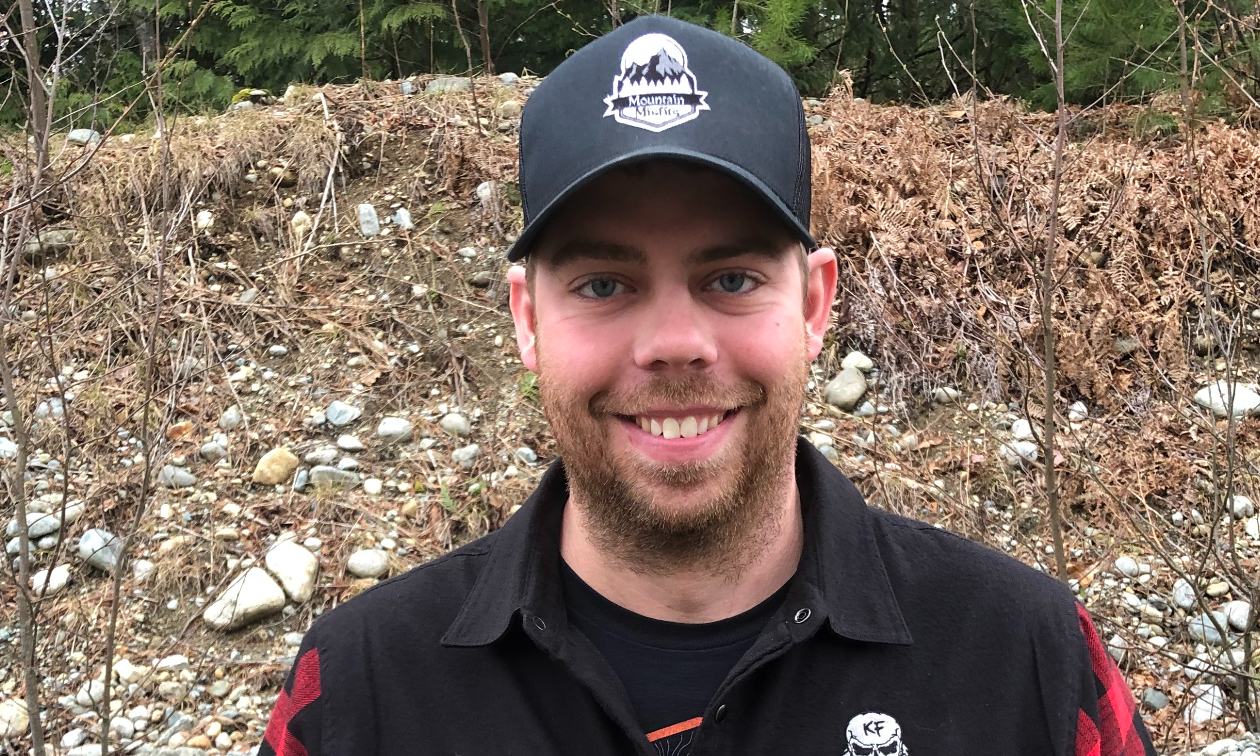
point(284, 736)
point(1108, 723)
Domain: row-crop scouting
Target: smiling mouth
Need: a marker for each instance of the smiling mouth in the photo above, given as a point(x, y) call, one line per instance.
point(679, 426)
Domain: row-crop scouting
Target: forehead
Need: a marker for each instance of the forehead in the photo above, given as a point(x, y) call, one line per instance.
point(665, 209)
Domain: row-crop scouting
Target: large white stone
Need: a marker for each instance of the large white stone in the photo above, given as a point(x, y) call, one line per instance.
point(394, 430)
point(323, 456)
point(1017, 452)
point(466, 455)
point(13, 719)
point(231, 418)
point(1127, 566)
point(846, 389)
point(173, 663)
point(1078, 412)
point(323, 476)
point(100, 549)
point(369, 222)
point(172, 476)
point(1237, 612)
point(83, 136)
point(1184, 594)
point(91, 694)
point(1203, 628)
point(1215, 397)
point(368, 563)
point(44, 584)
point(1022, 430)
point(1208, 703)
point(349, 442)
point(455, 424)
point(252, 595)
point(339, 413)
point(143, 569)
point(1222, 747)
point(129, 673)
point(295, 568)
point(857, 360)
point(40, 524)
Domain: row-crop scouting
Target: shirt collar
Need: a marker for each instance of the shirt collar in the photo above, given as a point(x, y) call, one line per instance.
point(841, 558)
point(841, 564)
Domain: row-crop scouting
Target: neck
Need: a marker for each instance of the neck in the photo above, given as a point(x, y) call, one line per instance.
point(688, 594)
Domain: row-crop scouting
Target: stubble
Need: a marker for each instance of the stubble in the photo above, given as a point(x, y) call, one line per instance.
point(713, 516)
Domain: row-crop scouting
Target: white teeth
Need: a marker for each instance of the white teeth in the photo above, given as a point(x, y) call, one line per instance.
point(670, 429)
point(688, 428)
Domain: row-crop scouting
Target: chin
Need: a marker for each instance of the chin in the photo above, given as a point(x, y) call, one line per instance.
point(683, 504)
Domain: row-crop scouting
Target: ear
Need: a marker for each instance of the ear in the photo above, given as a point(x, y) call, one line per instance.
point(522, 306)
point(821, 292)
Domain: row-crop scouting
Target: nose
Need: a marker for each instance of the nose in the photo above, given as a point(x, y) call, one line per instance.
point(676, 334)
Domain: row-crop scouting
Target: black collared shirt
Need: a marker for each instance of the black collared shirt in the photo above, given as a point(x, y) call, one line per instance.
point(670, 670)
point(895, 637)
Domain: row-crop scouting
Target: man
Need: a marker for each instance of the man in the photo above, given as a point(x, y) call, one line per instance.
point(692, 578)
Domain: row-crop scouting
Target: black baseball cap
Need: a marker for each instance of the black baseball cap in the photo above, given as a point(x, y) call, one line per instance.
point(658, 87)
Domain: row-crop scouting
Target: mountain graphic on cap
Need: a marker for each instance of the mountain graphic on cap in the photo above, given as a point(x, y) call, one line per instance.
point(661, 67)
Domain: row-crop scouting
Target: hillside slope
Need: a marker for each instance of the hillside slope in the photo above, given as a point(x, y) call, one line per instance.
point(223, 361)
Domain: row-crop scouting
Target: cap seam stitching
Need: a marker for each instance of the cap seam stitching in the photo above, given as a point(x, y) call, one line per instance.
point(801, 141)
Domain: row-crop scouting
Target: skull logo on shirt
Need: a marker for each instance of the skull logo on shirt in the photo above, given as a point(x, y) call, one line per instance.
point(874, 734)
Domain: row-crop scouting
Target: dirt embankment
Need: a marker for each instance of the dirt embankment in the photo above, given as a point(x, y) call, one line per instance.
point(233, 271)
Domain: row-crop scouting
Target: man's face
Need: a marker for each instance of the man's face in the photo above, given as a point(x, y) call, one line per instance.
point(671, 330)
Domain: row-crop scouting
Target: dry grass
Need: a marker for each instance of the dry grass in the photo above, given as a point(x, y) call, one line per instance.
point(939, 266)
point(936, 278)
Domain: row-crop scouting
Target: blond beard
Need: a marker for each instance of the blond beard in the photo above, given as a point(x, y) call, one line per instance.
point(719, 535)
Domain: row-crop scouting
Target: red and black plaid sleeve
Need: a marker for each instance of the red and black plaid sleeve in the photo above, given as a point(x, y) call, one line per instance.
point(1108, 723)
point(294, 728)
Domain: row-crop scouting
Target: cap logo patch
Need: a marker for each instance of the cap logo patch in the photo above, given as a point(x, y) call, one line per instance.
point(655, 89)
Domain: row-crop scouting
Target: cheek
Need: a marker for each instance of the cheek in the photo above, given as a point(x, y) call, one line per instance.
point(765, 348)
point(584, 356)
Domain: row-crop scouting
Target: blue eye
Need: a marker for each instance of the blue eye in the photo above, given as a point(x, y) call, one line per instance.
point(599, 288)
point(733, 283)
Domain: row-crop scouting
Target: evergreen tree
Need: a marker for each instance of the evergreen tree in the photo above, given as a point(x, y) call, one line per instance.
point(894, 50)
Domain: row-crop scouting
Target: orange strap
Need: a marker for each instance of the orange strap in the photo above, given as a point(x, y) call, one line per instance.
point(665, 732)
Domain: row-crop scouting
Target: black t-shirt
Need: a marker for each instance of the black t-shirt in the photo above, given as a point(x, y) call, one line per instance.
point(670, 670)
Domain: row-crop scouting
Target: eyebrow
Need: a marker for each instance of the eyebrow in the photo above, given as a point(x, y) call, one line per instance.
point(756, 247)
point(593, 250)
point(580, 249)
